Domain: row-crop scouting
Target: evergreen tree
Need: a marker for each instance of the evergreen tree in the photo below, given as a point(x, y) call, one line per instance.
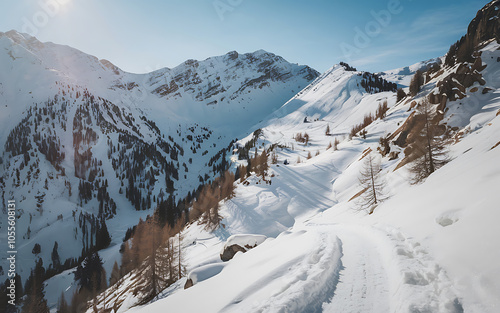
point(416, 83)
point(102, 235)
point(401, 94)
point(180, 255)
point(56, 262)
point(166, 211)
point(35, 301)
point(36, 249)
point(90, 274)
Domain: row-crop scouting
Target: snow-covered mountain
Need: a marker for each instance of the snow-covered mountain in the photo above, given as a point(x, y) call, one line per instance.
point(88, 149)
point(428, 247)
point(402, 76)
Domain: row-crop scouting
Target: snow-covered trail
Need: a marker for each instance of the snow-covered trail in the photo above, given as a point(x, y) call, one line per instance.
point(385, 271)
point(295, 272)
point(322, 262)
point(324, 267)
point(363, 282)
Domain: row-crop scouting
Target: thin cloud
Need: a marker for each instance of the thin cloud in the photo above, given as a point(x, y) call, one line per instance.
point(374, 59)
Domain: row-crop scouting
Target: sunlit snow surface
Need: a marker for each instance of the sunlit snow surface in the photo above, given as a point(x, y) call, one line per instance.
point(430, 248)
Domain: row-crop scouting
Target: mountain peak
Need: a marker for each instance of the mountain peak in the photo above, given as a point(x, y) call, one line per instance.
point(20, 38)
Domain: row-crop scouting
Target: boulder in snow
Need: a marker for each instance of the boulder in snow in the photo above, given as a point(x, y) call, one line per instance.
point(240, 243)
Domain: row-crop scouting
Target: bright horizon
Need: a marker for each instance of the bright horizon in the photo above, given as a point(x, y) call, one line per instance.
point(142, 37)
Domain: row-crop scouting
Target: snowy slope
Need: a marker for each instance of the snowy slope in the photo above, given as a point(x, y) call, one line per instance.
point(68, 118)
point(429, 248)
point(402, 76)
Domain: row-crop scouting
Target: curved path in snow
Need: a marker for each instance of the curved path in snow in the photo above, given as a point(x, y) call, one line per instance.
point(384, 271)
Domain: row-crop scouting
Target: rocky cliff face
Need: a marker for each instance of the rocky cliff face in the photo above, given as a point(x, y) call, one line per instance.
point(225, 78)
point(466, 73)
point(483, 28)
point(486, 24)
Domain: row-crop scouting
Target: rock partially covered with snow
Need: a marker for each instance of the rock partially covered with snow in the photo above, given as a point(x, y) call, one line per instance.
point(203, 273)
point(240, 243)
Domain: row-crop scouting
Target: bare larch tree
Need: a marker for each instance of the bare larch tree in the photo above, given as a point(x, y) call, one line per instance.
point(430, 147)
point(372, 184)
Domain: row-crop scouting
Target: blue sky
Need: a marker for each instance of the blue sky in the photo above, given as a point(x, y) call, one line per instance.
point(141, 36)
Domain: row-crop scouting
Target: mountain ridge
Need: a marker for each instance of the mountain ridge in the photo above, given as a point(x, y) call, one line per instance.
point(99, 154)
point(81, 133)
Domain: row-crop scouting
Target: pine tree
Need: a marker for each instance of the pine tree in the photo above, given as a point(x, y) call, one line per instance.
point(35, 301)
point(371, 183)
point(90, 274)
point(102, 235)
point(327, 132)
point(4, 299)
point(56, 262)
point(431, 149)
point(401, 94)
point(36, 249)
point(416, 83)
